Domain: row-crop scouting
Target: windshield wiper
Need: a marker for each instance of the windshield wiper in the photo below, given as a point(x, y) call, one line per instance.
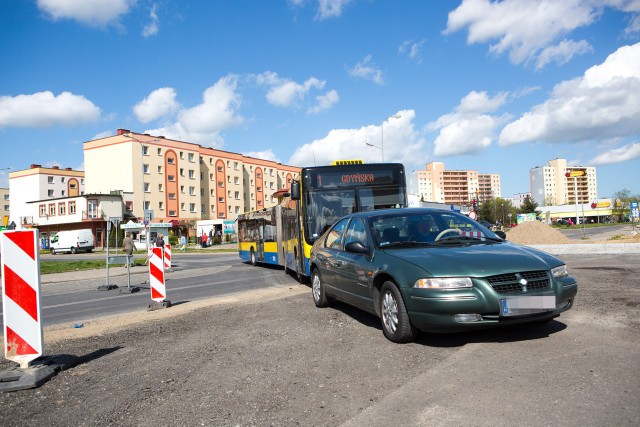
point(458, 239)
point(407, 243)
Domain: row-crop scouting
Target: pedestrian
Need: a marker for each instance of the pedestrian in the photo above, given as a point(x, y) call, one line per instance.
point(160, 241)
point(204, 240)
point(128, 246)
point(183, 243)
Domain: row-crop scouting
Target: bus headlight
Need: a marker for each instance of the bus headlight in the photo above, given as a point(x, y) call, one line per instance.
point(444, 283)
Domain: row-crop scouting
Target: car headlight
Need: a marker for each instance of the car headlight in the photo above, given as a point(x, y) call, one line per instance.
point(560, 271)
point(444, 283)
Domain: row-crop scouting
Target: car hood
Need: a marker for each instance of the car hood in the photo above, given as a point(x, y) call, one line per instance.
point(476, 260)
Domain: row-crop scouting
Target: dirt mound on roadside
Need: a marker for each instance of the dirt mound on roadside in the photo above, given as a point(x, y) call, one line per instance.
point(536, 233)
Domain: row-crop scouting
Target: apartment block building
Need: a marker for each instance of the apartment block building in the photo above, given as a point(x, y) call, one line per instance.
point(181, 182)
point(459, 187)
point(4, 206)
point(551, 187)
point(41, 184)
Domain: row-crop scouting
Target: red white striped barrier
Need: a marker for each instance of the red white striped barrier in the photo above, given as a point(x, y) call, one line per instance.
point(156, 275)
point(474, 234)
point(21, 296)
point(167, 257)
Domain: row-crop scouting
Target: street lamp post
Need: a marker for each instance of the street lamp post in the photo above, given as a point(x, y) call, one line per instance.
point(375, 146)
point(144, 196)
point(393, 116)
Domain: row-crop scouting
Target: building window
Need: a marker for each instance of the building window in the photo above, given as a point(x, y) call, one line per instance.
point(62, 208)
point(159, 151)
point(181, 155)
point(181, 172)
point(50, 179)
point(221, 184)
point(62, 179)
point(190, 157)
point(171, 160)
point(235, 166)
point(160, 169)
point(236, 180)
point(220, 199)
point(50, 193)
point(43, 210)
point(172, 213)
point(161, 206)
point(201, 208)
point(160, 187)
point(146, 187)
point(237, 194)
point(192, 207)
point(145, 150)
point(221, 215)
point(129, 206)
point(171, 178)
point(81, 181)
point(182, 189)
point(220, 168)
point(213, 208)
point(192, 191)
point(181, 206)
point(172, 196)
point(52, 209)
point(191, 174)
point(72, 208)
point(210, 177)
point(145, 168)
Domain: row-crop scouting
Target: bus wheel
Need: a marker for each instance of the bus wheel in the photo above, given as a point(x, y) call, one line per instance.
point(253, 257)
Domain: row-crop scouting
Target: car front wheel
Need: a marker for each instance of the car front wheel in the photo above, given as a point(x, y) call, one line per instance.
point(73, 250)
point(395, 321)
point(317, 289)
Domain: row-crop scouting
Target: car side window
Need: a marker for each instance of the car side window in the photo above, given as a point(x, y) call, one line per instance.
point(356, 232)
point(334, 238)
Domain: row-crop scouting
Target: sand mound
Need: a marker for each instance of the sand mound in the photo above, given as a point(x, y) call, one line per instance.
point(536, 233)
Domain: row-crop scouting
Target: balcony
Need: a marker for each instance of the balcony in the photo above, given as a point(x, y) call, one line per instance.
point(91, 215)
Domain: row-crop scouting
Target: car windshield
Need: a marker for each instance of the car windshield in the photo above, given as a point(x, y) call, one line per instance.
point(417, 228)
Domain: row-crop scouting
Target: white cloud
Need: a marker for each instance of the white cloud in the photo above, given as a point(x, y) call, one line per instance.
point(412, 49)
point(366, 71)
point(527, 29)
point(470, 128)
point(95, 13)
point(562, 52)
point(159, 103)
point(324, 102)
point(604, 103)
point(103, 134)
point(264, 155)
point(330, 8)
point(203, 123)
point(285, 93)
point(617, 155)
point(152, 28)
point(44, 109)
point(401, 144)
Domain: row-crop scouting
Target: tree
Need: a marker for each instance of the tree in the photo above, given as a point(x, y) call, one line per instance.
point(497, 210)
point(529, 206)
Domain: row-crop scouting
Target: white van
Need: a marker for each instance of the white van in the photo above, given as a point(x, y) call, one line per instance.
point(72, 241)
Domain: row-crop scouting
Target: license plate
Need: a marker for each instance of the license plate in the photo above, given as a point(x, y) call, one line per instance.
point(515, 306)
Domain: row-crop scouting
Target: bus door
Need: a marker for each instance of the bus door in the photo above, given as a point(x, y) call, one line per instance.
point(260, 240)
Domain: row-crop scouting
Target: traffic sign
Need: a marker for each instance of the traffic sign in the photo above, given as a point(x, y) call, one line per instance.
point(148, 215)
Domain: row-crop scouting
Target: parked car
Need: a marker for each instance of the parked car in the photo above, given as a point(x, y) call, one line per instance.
point(435, 270)
point(72, 241)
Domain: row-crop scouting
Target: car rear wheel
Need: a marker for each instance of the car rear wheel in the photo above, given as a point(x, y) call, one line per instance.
point(396, 325)
point(317, 289)
point(73, 250)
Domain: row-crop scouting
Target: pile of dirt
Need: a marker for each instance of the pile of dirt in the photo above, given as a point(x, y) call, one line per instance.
point(536, 233)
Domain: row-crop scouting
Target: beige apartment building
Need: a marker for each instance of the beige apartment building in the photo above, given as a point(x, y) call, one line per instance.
point(181, 182)
point(459, 187)
point(4, 207)
point(551, 187)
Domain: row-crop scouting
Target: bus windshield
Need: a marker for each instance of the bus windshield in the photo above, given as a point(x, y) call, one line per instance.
point(325, 207)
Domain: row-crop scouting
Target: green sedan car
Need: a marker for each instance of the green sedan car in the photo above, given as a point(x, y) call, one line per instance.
point(422, 269)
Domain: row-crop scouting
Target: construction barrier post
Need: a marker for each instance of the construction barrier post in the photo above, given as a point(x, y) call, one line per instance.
point(167, 257)
point(156, 280)
point(23, 342)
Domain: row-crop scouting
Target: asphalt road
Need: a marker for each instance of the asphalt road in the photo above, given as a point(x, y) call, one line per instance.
point(282, 361)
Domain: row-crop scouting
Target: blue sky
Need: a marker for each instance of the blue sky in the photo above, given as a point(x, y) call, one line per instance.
point(495, 86)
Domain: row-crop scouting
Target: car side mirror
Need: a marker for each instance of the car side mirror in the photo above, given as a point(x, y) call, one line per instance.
point(501, 234)
point(356, 248)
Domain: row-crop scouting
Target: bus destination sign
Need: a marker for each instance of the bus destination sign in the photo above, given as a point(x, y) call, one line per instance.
point(328, 179)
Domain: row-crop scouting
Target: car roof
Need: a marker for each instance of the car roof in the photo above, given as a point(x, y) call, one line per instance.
point(399, 211)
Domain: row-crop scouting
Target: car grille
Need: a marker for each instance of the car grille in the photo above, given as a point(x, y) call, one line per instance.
point(510, 283)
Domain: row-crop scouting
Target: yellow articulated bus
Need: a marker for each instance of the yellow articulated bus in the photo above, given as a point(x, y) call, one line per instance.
point(283, 234)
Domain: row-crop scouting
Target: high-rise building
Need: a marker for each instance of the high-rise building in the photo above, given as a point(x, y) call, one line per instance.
point(550, 185)
point(458, 187)
point(176, 181)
